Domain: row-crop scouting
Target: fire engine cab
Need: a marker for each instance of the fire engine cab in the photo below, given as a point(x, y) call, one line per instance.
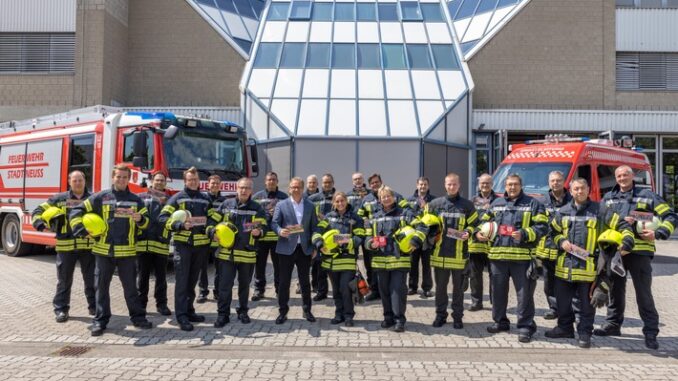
point(592, 159)
point(37, 155)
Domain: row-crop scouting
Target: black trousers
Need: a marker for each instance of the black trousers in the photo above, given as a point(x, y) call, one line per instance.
point(442, 279)
point(156, 264)
point(502, 272)
point(566, 292)
point(65, 266)
point(549, 272)
point(286, 265)
point(266, 247)
point(229, 271)
point(203, 281)
point(343, 300)
point(319, 277)
point(393, 291)
point(479, 262)
point(188, 261)
point(127, 272)
point(426, 280)
point(640, 268)
point(372, 276)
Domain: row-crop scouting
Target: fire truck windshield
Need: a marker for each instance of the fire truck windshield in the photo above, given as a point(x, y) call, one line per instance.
point(534, 175)
point(210, 154)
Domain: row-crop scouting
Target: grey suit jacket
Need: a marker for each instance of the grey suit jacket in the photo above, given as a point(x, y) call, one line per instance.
point(284, 216)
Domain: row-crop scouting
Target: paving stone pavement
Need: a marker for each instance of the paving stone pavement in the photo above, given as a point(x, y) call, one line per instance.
point(30, 339)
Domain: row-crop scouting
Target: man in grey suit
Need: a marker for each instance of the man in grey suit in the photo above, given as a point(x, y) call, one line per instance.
point(294, 220)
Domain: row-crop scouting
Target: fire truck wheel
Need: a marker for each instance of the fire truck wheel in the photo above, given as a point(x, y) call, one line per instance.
point(11, 237)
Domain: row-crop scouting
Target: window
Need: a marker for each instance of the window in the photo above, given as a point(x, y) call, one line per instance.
point(643, 179)
point(368, 56)
point(37, 53)
point(647, 3)
point(344, 12)
point(301, 10)
point(584, 172)
point(82, 156)
point(431, 12)
point(128, 153)
point(647, 71)
point(278, 11)
point(293, 55)
point(467, 9)
point(444, 57)
point(366, 12)
point(486, 6)
point(343, 56)
point(245, 9)
point(267, 57)
point(410, 11)
point(418, 56)
point(322, 12)
point(388, 12)
point(394, 56)
point(318, 55)
point(606, 178)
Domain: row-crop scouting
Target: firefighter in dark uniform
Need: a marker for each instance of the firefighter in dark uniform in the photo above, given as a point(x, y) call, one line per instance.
point(267, 198)
point(245, 219)
point(185, 215)
point(358, 192)
point(122, 213)
point(479, 251)
point(338, 255)
point(390, 262)
point(458, 218)
point(323, 205)
point(152, 246)
point(417, 203)
point(53, 215)
point(214, 194)
point(311, 186)
point(547, 250)
point(575, 227)
point(369, 206)
point(521, 223)
point(634, 204)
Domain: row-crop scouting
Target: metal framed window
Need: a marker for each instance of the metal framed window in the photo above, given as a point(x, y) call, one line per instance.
point(647, 71)
point(410, 11)
point(394, 56)
point(431, 12)
point(267, 56)
point(366, 12)
point(322, 11)
point(52, 53)
point(301, 10)
point(368, 56)
point(318, 55)
point(344, 12)
point(278, 11)
point(293, 55)
point(388, 11)
point(343, 56)
point(418, 56)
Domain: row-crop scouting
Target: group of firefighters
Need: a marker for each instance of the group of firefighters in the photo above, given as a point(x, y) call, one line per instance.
point(582, 248)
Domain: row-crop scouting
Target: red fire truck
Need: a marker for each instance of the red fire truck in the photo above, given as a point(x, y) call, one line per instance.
point(37, 155)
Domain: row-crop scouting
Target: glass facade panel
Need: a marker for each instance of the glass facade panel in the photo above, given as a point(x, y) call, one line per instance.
point(293, 55)
point(318, 55)
point(418, 56)
point(394, 56)
point(388, 12)
point(278, 11)
point(366, 12)
point(344, 12)
point(343, 56)
point(444, 57)
point(368, 56)
point(268, 55)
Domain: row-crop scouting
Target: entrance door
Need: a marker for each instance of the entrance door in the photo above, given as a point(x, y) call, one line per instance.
point(500, 147)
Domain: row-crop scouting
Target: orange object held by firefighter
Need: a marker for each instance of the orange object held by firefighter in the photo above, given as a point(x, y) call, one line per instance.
point(363, 288)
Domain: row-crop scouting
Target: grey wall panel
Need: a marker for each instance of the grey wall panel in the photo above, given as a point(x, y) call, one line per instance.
point(457, 125)
point(397, 161)
point(457, 162)
point(37, 15)
point(326, 156)
point(435, 167)
point(274, 157)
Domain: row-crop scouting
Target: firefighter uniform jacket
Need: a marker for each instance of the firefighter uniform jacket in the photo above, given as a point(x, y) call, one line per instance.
point(643, 200)
point(481, 204)
point(322, 201)
point(342, 258)
point(155, 238)
point(581, 225)
point(456, 213)
point(195, 202)
point(385, 224)
point(417, 203)
point(370, 205)
point(268, 200)
point(66, 241)
point(524, 214)
point(216, 200)
point(115, 208)
point(245, 217)
point(547, 249)
point(356, 195)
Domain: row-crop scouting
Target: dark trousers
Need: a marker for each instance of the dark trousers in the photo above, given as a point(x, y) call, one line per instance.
point(229, 270)
point(203, 281)
point(566, 292)
point(426, 281)
point(372, 276)
point(502, 271)
point(549, 272)
point(188, 261)
point(393, 291)
point(442, 279)
point(127, 272)
point(479, 262)
point(286, 265)
point(343, 300)
point(266, 247)
point(157, 264)
point(640, 268)
point(65, 266)
point(319, 277)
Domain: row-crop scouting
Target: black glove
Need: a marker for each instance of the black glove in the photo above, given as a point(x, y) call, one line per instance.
point(318, 245)
point(661, 233)
point(532, 270)
point(41, 226)
point(600, 296)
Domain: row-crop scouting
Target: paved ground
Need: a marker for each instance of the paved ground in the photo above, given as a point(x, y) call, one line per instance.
point(34, 347)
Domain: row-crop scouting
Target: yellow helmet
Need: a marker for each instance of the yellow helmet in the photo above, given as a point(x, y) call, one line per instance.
point(403, 238)
point(610, 237)
point(328, 240)
point(51, 213)
point(181, 215)
point(94, 224)
point(431, 219)
point(225, 232)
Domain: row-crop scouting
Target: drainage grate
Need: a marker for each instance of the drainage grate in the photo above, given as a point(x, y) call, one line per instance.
point(69, 351)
